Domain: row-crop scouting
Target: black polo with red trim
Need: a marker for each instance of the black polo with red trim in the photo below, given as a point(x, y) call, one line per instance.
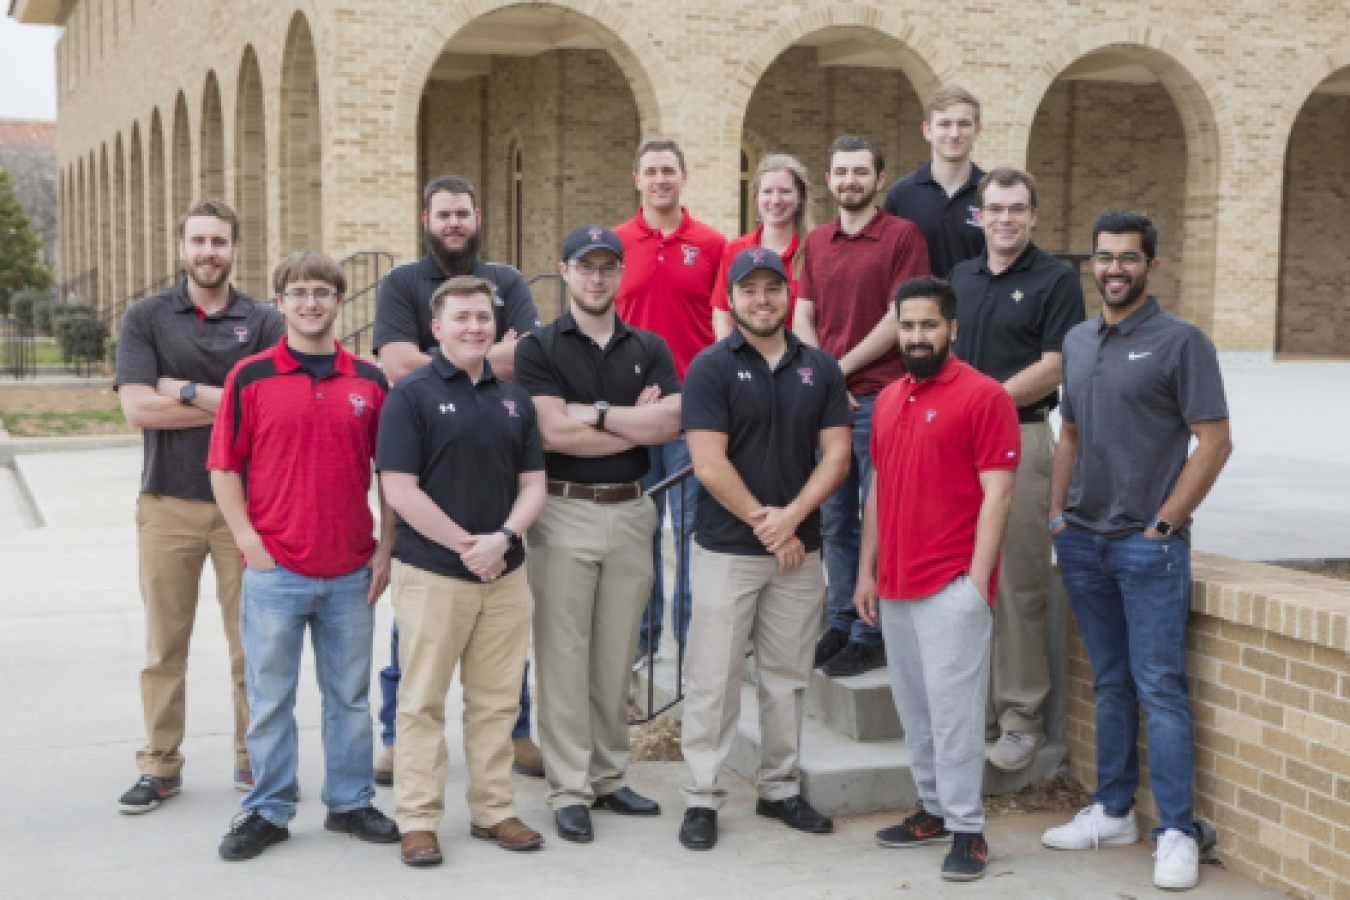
point(305, 447)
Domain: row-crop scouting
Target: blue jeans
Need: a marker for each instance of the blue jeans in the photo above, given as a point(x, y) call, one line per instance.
point(389, 678)
point(1131, 597)
point(276, 608)
point(841, 532)
point(667, 459)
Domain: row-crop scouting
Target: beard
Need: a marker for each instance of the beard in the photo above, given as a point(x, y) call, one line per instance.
point(863, 202)
point(222, 278)
point(598, 308)
point(766, 331)
point(1133, 293)
point(926, 366)
point(454, 262)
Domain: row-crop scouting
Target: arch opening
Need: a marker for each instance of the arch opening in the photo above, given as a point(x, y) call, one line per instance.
point(182, 169)
point(212, 141)
point(301, 176)
point(158, 232)
point(136, 201)
point(250, 178)
point(105, 240)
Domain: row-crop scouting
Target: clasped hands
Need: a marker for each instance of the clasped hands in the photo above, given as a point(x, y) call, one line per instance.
point(485, 554)
point(776, 528)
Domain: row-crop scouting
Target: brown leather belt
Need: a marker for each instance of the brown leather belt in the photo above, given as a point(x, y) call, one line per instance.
point(596, 493)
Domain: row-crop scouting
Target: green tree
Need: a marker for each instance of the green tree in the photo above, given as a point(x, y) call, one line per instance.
point(20, 265)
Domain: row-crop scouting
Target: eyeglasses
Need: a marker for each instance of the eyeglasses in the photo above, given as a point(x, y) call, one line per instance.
point(586, 270)
point(1127, 260)
point(321, 294)
point(1017, 210)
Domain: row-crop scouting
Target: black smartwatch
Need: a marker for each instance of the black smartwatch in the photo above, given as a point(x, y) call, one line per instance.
point(511, 536)
point(1162, 526)
point(601, 408)
point(187, 393)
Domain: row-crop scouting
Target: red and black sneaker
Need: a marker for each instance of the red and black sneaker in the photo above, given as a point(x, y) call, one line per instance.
point(148, 794)
point(968, 859)
point(917, 830)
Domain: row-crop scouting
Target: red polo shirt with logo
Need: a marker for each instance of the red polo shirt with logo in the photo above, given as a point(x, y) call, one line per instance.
point(744, 242)
point(930, 442)
point(305, 447)
point(850, 280)
point(668, 283)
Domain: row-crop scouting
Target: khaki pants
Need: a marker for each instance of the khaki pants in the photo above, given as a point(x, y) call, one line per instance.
point(741, 598)
point(1019, 671)
point(590, 567)
point(174, 538)
point(444, 622)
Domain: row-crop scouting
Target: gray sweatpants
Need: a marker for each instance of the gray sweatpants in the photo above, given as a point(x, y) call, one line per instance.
point(937, 649)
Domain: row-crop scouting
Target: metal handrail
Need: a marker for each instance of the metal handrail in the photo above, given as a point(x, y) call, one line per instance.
point(677, 597)
point(562, 289)
point(115, 311)
point(18, 348)
point(61, 292)
point(365, 271)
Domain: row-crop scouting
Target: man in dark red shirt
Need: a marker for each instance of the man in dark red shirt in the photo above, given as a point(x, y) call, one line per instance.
point(302, 420)
point(945, 448)
point(671, 262)
point(853, 265)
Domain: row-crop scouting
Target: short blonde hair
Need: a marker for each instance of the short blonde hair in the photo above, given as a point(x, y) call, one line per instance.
point(212, 208)
point(459, 286)
point(309, 265)
point(950, 95)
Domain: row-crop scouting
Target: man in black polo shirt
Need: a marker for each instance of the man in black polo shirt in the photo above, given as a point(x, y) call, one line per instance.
point(461, 462)
point(759, 407)
point(173, 354)
point(451, 223)
point(939, 196)
point(1015, 303)
point(605, 392)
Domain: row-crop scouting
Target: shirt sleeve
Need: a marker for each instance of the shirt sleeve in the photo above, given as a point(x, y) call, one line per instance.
point(911, 258)
point(719, 293)
point(996, 440)
point(533, 371)
point(837, 410)
point(806, 287)
point(137, 362)
point(661, 367)
point(706, 404)
point(518, 304)
point(1199, 381)
point(1063, 310)
point(232, 434)
point(395, 310)
point(399, 445)
point(532, 452)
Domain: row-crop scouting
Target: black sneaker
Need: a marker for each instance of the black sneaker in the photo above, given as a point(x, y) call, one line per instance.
point(148, 794)
point(829, 646)
point(366, 823)
point(856, 659)
point(250, 834)
point(969, 856)
point(919, 829)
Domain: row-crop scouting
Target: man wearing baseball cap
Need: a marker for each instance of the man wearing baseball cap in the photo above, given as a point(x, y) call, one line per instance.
point(605, 392)
point(760, 408)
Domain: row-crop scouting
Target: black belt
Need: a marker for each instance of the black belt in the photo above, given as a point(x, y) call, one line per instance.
point(1031, 416)
point(596, 493)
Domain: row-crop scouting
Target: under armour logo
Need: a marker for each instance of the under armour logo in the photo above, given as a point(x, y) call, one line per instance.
point(447, 407)
point(690, 254)
point(806, 375)
point(637, 370)
point(744, 376)
point(595, 234)
point(358, 404)
point(757, 255)
point(511, 408)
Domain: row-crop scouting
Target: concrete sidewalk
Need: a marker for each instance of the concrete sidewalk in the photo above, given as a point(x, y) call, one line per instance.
point(71, 638)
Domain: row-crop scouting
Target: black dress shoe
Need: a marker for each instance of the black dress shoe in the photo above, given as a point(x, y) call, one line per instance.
point(856, 659)
point(627, 802)
point(574, 824)
point(250, 834)
point(795, 812)
point(699, 831)
point(366, 823)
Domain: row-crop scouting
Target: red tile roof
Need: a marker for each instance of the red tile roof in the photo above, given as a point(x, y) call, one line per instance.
point(24, 135)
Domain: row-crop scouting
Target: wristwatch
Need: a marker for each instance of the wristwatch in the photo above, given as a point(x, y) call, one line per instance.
point(1162, 526)
point(511, 536)
point(187, 393)
point(601, 407)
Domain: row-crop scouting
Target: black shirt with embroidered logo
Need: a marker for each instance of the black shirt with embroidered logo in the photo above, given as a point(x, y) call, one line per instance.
point(948, 223)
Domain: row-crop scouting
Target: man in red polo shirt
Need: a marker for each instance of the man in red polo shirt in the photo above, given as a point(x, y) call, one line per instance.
point(945, 448)
point(852, 267)
point(302, 420)
point(670, 263)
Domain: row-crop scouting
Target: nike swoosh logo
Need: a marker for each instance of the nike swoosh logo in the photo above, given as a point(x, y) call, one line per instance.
point(1140, 355)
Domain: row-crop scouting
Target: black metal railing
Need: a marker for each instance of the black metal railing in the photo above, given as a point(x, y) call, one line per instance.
point(18, 348)
point(365, 270)
point(562, 291)
point(84, 344)
point(1074, 259)
point(112, 316)
point(674, 486)
point(83, 287)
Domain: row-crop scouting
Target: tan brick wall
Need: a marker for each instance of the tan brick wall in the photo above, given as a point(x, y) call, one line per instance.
point(1270, 695)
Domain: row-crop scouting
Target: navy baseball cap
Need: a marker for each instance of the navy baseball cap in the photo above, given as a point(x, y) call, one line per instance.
point(590, 237)
point(752, 259)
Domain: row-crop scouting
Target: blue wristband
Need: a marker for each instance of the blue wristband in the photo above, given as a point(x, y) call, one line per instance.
point(1056, 522)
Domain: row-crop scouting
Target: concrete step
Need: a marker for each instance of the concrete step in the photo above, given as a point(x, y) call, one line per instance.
point(840, 775)
point(859, 707)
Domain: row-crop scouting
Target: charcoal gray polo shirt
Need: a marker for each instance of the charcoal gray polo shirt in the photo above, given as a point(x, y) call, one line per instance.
point(165, 336)
point(1133, 390)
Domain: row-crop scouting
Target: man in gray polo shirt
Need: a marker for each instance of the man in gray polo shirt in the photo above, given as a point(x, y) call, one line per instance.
point(173, 354)
point(1139, 383)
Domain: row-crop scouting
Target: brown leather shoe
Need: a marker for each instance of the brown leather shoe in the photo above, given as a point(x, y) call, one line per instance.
point(420, 848)
point(384, 767)
point(510, 834)
point(529, 761)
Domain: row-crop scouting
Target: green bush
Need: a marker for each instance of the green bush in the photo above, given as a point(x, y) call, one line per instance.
point(42, 317)
point(81, 338)
point(21, 304)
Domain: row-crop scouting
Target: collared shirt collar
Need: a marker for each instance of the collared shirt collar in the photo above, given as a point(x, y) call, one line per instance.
point(950, 369)
point(1021, 264)
point(343, 364)
point(871, 231)
point(448, 370)
point(924, 175)
point(736, 341)
point(650, 232)
point(757, 240)
point(231, 310)
point(1146, 311)
point(568, 322)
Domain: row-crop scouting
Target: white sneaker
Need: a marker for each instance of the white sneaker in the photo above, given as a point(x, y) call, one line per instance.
point(1176, 862)
point(1091, 829)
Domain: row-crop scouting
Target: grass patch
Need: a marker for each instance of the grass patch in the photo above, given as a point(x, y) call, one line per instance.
point(67, 424)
